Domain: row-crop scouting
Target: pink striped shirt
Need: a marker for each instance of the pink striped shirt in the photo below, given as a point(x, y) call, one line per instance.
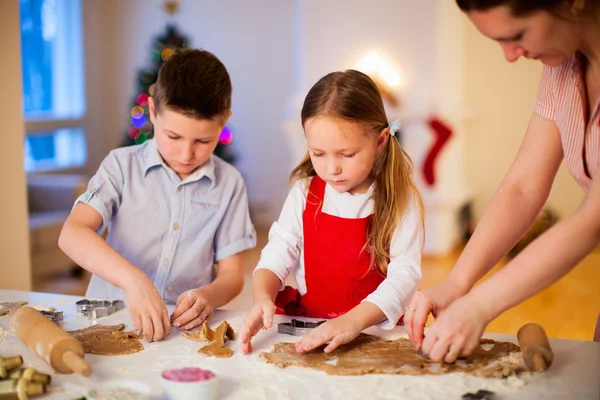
point(562, 98)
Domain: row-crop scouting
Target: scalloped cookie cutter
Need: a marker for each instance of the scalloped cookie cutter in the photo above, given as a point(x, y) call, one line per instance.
point(92, 309)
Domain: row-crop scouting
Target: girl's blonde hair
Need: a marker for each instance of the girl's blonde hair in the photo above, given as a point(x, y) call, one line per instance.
point(353, 96)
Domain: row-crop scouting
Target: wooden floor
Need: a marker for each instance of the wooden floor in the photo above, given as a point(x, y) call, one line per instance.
point(568, 309)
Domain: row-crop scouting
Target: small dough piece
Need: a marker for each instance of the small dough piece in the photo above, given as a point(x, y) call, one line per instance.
point(216, 339)
point(108, 340)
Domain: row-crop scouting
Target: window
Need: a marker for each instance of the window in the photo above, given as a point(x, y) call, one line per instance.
point(53, 84)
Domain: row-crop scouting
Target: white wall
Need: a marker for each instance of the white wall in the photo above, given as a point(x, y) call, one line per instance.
point(338, 36)
point(15, 267)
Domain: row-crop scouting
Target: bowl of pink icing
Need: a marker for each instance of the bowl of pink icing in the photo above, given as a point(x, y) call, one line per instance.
point(189, 383)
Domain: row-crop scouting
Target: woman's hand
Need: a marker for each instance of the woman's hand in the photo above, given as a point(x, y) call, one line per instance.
point(425, 302)
point(456, 332)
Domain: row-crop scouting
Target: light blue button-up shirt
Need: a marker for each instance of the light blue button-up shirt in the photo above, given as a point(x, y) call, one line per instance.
point(174, 230)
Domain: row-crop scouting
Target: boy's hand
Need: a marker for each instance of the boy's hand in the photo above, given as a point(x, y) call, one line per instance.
point(337, 331)
point(147, 310)
point(260, 316)
point(192, 309)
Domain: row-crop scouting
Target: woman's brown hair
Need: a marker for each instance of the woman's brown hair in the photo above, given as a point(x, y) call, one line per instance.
point(353, 96)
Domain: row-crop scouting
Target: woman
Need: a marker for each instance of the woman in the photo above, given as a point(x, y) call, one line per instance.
point(565, 36)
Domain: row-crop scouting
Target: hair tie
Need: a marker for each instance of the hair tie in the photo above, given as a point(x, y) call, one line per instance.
point(394, 128)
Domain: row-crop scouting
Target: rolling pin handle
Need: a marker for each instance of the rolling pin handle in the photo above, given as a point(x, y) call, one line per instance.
point(76, 363)
point(539, 363)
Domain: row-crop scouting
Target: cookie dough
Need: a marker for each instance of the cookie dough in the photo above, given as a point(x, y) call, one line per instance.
point(108, 340)
point(215, 338)
point(372, 355)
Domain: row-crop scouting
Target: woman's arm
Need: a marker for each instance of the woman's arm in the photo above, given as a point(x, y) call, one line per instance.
point(510, 213)
point(543, 262)
point(546, 260)
point(515, 205)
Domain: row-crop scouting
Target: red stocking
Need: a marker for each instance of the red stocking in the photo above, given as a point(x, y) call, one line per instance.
point(442, 133)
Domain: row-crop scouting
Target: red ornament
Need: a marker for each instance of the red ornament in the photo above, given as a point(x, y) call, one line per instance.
point(134, 133)
point(142, 99)
point(228, 140)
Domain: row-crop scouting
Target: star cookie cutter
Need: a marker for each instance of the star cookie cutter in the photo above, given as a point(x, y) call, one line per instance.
point(297, 327)
point(92, 309)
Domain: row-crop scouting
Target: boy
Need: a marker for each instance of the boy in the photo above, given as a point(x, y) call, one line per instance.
point(172, 209)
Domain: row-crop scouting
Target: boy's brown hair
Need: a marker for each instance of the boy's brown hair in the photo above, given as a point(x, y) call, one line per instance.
point(194, 83)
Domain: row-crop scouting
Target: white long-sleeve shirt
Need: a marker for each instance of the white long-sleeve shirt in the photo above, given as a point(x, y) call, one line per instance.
point(284, 253)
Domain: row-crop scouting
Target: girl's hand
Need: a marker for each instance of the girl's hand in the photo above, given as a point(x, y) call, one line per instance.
point(147, 310)
point(457, 330)
point(259, 317)
point(192, 309)
point(337, 331)
point(425, 302)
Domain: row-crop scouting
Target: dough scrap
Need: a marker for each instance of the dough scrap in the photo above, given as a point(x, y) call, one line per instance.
point(369, 354)
point(108, 340)
point(216, 339)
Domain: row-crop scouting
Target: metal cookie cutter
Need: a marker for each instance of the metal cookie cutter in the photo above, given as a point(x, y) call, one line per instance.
point(297, 327)
point(92, 309)
point(480, 395)
point(54, 316)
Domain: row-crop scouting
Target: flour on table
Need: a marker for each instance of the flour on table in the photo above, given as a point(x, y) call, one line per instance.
point(4, 334)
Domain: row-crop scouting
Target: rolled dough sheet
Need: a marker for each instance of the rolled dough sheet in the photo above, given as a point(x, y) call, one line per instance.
point(372, 355)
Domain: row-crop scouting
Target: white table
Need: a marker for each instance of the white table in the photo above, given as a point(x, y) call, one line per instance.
point(575, 373)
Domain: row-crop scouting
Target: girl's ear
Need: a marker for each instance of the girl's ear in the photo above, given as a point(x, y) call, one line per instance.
point(382, 139)
point(151, 108)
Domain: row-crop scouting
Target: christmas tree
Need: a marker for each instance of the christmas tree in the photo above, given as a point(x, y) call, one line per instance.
point(141, 128)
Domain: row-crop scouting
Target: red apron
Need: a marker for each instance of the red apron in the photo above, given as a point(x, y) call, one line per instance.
point(337, 265)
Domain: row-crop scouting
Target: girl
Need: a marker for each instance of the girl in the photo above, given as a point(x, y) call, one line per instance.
point(351, 229)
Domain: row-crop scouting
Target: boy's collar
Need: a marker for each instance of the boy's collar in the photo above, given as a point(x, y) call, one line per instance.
point(153, 159)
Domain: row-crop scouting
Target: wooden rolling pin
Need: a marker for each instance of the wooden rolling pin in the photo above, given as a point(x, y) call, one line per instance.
point(537, 354)
point(50, 342)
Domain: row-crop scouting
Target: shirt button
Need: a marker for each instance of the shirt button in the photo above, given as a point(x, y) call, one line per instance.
point(166, 262)
point(175, 226)
point(179, 188)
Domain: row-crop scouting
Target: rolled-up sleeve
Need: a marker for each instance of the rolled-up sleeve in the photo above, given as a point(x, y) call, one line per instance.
point(104, 190)
point(282, 252)
point(236, 232)
point(404, 270)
